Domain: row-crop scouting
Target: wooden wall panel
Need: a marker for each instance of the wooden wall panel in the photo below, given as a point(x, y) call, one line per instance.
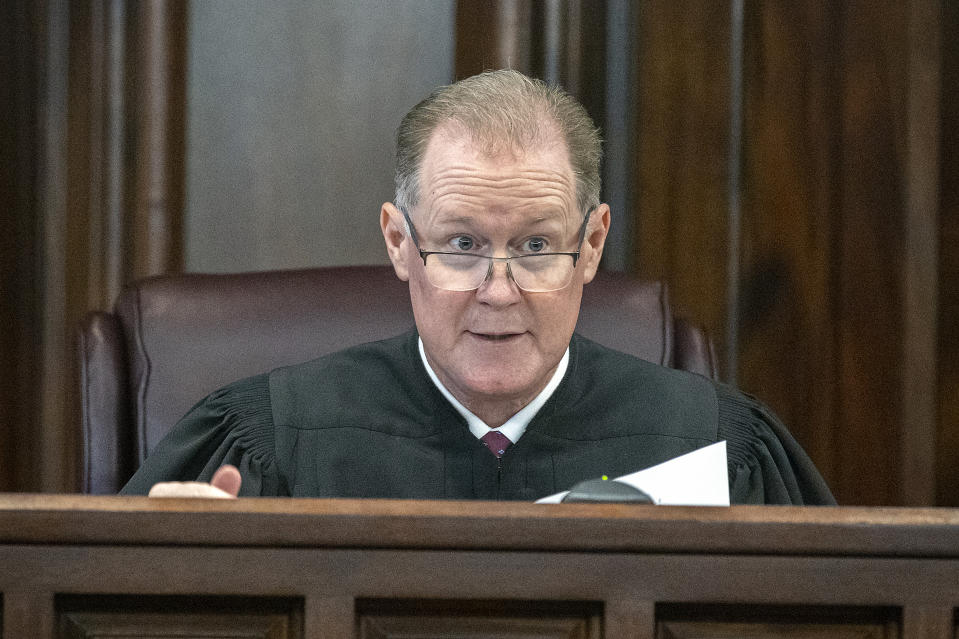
point(887, 238)
point(870, 295)
point(920, 266)
point(494, 34)
point(74, 167)
point(790, 189)
point(426, 619)
point(49, 411)
point(794, 622)
point(91, 616)
point(947, 476)
point(157, 96)
point(562, 42)
point(929, 621)
point(292, 109)
point(835, 282)
point(767, 630)
point(21, 57)
point(80, 625)
point(680, 214)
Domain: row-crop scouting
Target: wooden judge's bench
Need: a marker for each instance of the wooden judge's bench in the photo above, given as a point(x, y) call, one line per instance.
point(74, 566)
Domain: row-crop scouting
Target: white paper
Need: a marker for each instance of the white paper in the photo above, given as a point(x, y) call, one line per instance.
point(698, 478)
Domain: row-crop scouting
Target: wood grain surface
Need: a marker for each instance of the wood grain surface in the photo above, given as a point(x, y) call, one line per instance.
point(781, 530)
point(836, 280)
point(78, 566)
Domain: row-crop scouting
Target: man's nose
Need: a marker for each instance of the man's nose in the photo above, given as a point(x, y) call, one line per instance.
point(499, 288)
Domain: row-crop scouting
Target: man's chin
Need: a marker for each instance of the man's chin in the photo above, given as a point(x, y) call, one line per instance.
point(494, 369)
point(496, 384)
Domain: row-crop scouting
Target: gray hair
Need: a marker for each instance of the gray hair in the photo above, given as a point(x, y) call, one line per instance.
point(501, 110)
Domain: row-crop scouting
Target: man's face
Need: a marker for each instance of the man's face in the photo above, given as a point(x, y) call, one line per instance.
point(495, 347)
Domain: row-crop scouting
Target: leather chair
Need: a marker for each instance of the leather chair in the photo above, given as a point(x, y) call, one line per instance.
point(171, 340)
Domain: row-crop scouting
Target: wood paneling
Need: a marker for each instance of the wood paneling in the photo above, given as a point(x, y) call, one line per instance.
point(877, 304)
point(50, 468)
point(834, 267)
point(947, 476)
point(406, 619)
point(27, 613)
point(680, 216)
point(729, 621)
point(929, 621)
point(329, 616)
point(719, 630)
point(21, 58)
point(158, 101)
point(561, 42)
point(471, 525)
point(292, 109)
point(88, 625)
point(92, 82)
point(87, 617)
point(815, 630)
point(494, 34)
point(790, 192)
point(919, 270)
point(129, 567)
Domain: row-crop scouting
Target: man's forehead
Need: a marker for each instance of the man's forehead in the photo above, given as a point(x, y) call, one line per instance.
point(545, 219)
point(452, 144)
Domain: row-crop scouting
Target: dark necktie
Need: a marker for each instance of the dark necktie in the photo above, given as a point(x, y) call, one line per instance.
point(496, 441)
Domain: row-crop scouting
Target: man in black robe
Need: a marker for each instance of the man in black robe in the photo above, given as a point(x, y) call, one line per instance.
point(496, 226)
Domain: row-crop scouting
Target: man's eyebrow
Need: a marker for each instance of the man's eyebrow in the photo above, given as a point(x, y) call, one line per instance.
point(455, 220)
point(557, 216)
point(549, 218)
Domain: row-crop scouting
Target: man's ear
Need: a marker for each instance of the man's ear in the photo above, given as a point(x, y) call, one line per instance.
point(595, 240)
point(394, 233)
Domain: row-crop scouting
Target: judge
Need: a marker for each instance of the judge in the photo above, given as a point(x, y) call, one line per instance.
point(496, 225)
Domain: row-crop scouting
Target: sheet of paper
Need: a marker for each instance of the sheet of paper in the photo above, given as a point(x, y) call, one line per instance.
point(695, 479)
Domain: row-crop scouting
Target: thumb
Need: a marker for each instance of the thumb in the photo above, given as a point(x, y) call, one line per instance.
point(227, 478)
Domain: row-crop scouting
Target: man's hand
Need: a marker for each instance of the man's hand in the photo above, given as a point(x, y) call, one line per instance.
point(225, 484)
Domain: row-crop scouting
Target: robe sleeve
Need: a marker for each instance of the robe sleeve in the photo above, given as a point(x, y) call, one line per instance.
point(766, 465)
point(233, 425)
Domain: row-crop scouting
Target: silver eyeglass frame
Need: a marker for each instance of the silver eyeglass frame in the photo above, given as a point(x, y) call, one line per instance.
point(507, 260)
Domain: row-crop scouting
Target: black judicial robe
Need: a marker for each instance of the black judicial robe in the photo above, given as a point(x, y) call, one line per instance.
point(369, 422)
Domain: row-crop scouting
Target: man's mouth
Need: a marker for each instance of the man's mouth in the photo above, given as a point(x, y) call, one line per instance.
point(496, 337)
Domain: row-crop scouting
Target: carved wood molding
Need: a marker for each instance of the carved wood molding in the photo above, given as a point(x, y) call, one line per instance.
point(101, 108)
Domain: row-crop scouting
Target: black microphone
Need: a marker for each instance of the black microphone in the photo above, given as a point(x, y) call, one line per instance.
point(602, 491)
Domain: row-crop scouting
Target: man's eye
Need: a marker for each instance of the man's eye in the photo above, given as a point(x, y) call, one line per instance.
point(534, 245)
point(462, 243)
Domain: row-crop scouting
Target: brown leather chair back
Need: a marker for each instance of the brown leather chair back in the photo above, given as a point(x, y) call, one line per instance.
point(171, 340)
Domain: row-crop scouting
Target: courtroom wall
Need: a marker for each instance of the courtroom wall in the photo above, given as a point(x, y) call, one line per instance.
point(291, 114)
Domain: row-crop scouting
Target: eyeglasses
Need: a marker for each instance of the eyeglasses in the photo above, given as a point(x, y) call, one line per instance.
point(533, 273)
